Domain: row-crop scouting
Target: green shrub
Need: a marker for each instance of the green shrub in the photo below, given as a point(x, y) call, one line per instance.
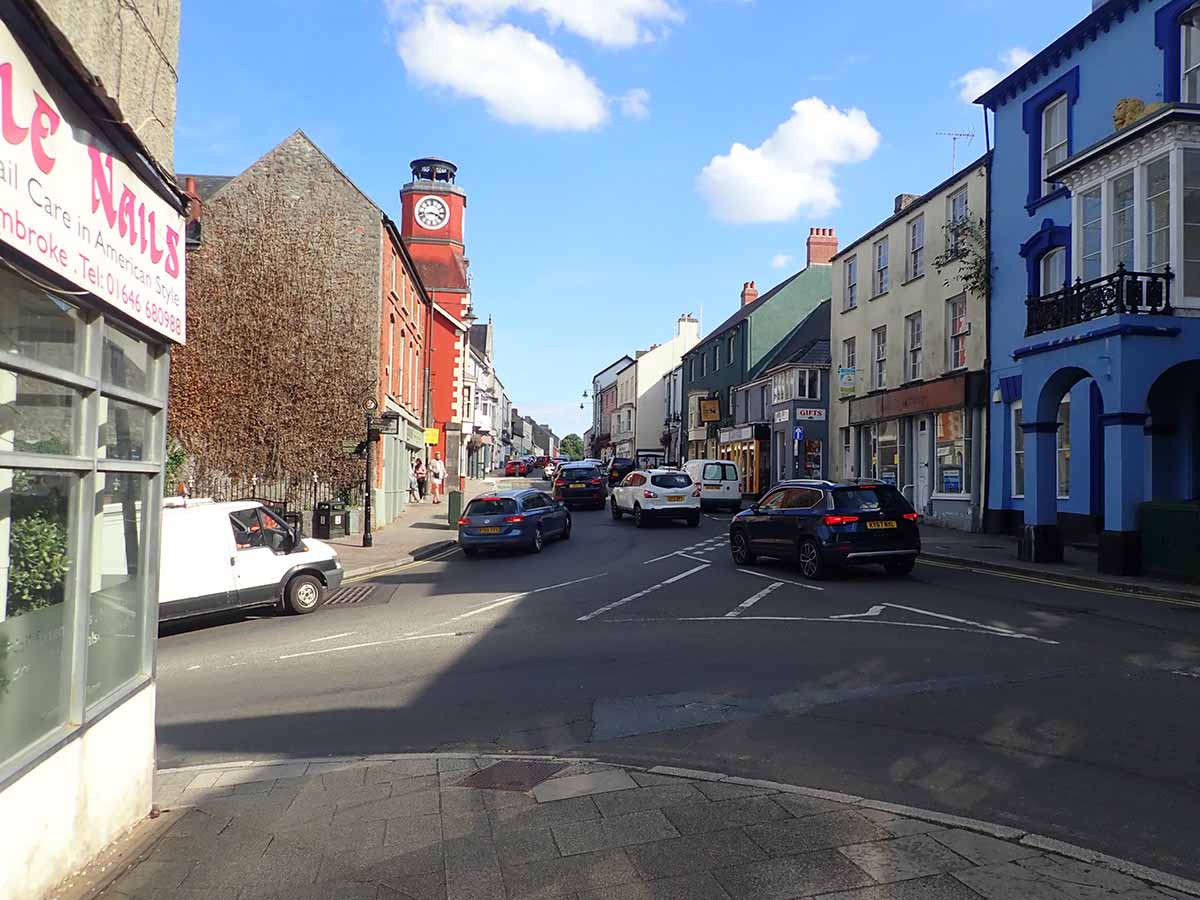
point(38, 563)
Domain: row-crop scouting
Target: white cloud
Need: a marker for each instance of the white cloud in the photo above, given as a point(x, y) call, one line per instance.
point(614, 23)
point(635, 104)
point(793, 170)
point(781, 261)
point(976, 82)
point(520, 78)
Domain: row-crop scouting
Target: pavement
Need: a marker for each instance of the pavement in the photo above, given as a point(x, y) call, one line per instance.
point(465, 827)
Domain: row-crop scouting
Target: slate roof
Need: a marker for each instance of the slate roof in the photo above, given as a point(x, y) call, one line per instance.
point(745, 310)
point(441, 274)
point(479, 339)
point(206, 185)
point(807, 344)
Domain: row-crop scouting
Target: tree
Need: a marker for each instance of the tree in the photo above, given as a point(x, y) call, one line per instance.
point(572, 446)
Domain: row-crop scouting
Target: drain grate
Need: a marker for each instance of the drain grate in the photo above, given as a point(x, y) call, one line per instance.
point(351, 595)
point(512, 775)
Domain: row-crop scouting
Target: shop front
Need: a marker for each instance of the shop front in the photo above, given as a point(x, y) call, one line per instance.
point(925, 440)
point(90, 304)
point(799, 437)
point(750, 447)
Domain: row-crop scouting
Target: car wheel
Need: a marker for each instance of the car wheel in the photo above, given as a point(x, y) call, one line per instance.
point(811, 564)
point(639, 519)
point(616, 510)
point(739, 546)
point(900, 566)
point(566, 535)
point(694, 520)
point(539, 540)
point(303, 595)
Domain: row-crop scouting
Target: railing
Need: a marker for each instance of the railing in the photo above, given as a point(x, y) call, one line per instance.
point(294, 494)
point(1122, 292)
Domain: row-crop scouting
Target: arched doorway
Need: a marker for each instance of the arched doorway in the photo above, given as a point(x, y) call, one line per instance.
point(1174, 433)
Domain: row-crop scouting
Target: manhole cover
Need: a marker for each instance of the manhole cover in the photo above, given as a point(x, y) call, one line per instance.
point(512, 775)
point(351, 595)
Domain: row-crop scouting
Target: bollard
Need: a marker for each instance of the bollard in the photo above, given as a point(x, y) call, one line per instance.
point(454, 508)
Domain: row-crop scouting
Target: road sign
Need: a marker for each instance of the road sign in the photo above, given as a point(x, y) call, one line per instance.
point(433, 436)
point(386, 424)
point(798, 434)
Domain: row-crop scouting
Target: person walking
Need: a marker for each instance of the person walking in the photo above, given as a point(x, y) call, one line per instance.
point(437, 475)
point(422, 479)
point(414, 490)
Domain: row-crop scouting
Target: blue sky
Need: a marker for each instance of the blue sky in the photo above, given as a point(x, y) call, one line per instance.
point(596, 138)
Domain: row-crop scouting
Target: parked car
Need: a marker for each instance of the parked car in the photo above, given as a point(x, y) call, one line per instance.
point(515, 468)
point(618, 468)
point(720, 483)
point(524, 519)
point(222, 556)
point(581, 483)
point(828, 525)
point(649, 494)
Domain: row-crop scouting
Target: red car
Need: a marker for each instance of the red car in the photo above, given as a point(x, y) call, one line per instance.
point(515, 467)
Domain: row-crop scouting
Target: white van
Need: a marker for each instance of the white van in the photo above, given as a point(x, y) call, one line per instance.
point(220, 556)
point(720, 483)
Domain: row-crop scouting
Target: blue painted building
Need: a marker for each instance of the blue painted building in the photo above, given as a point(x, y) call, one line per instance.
point(1094, 338)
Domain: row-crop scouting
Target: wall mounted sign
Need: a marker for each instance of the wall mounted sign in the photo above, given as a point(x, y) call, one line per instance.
point(710, 411)
point(810, 414)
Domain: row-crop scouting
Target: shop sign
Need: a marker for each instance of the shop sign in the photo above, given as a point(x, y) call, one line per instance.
point(70, 204)
point(810, 414)
point(945, 393)
point(710, 411)
point(846, 379)
point(951, 481)
point(433, 436)
point(744, 433)
point(782, 416)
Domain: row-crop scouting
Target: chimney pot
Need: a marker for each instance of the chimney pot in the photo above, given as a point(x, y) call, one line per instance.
point(822, 246)
point(749, 293)
point(903, 201)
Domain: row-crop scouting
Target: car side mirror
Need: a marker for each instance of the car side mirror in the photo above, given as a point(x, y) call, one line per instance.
point(295, 543)
point(754, 508)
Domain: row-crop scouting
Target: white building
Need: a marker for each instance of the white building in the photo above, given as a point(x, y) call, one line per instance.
point(650, 425)
point(624, 417)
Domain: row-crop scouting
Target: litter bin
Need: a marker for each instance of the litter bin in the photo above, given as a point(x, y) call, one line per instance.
point(454, 507)
point(322, 521)
point(339, 519)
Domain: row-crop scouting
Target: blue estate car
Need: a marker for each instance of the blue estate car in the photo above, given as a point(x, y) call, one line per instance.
point(524, 518)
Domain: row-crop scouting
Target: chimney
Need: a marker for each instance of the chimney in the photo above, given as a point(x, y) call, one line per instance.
point(749, 293)
point(189, 188)
point(903, 201)
point(822, 246)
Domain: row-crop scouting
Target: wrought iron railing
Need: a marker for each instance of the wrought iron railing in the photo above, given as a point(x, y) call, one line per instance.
point(1122, 292)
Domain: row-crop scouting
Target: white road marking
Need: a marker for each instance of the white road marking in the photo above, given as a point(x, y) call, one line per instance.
point(667, 556)
point(192, 668)
point(1015, 635)
point(693, 558)
point(650, 590)
point(734, 613)
point(512, 598)
point(400, 640)
point(332, 637)
point(810, 587)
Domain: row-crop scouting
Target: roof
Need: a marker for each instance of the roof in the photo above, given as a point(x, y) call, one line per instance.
point(624, 359)
point(960, 175)
point(206, 185)
point(745, 311)
point(440, 275)
point(479, 338)
point(1061, 48)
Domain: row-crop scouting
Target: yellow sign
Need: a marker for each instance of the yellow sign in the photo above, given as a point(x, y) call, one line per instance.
point(433, 436)
point(710, 411)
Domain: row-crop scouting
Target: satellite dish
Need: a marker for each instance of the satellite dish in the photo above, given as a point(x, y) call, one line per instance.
point(370, 404)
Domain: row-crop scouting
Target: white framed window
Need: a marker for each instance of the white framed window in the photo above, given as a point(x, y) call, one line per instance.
point(395, 265)
point(1091, 216)
point(1054, 139)
point(847, 455)
point(957, 209)
point(957, 329)
point(1121, 234)
point(729, 348)
point(848, 353)
point(1063, 451)
point(466, 402)
point(1018, 452)
point(916, 247)
point(1052, 271)
point(1189, 45)
point(912, 351)
point(879, 357)
point(703, 364)
point(1157, 190)
point(850, 300)
point(391, 341)
point(401, 375)
point(880, 275)
point(952, 449)
point(1190, 203)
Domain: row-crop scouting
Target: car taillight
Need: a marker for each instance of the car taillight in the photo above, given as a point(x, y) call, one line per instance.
point(840, 520)
point(650, 495)
point(464, 521)
point(597, 481)
point(513, 520)
point(912, 517)
point(560, 482)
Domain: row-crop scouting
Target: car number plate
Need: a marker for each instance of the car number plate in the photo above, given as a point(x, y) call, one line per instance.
point(574, 486)
point(712, 487)
point(876, 525)
point(490, 530)
point(674, 499)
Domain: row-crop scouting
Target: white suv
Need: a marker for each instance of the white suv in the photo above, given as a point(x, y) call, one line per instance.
point(657, 494)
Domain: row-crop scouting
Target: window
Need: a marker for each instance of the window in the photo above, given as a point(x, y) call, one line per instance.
point(879, 357)
point(916, 247)
point(677, 480)
point(1054, 139)
point(952, 449)
point(1121, 220)
point(912, 337)
point(957, 330)
point(813, 379)
point(849, 357)
point(1189, 24)
point(802, 498)
point(1092, 225)
point(880, 285)
point(1052, 271)
point(850, 300)
point(703, 364)
point(729, 349)
point(1158, 214)
point(1018, 452)
point(956, 214)
point(466, 403)
point(391, 342)
point(716, 356)
point(1191, 222)
point(1063, 451)
point(774, 501)
point(492, 506)
point(395, 266)
point(847, 456)
point(879, 497)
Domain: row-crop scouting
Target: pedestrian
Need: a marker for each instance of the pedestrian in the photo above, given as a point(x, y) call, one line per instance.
point(422, 479)
point(437, 475)
point(414, 490)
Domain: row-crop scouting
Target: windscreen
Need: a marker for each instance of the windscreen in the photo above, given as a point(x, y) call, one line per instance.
point(580, 473)
point(671, 480)
point(492, 506)
point(877, 497)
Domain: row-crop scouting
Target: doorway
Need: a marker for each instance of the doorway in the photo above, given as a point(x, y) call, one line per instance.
point(921, 500)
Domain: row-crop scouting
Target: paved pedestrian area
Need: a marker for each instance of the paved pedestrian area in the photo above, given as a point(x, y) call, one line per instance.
point(455, 827)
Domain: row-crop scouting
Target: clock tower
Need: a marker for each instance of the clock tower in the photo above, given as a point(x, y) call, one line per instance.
point(433, 212)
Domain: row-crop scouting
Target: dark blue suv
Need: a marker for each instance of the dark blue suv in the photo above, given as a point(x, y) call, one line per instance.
point(828, 525)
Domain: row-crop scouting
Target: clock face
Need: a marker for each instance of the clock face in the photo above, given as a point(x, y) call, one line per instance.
point(432, 213)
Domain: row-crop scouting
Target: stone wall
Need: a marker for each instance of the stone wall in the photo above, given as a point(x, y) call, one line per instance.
point(132, 48)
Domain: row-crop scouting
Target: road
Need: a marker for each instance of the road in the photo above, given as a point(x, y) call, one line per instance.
point(1060, 710)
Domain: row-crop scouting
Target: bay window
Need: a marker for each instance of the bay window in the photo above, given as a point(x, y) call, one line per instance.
point(1121, 221)
point(1191, 222)
point(1158, 214)
point(1092, 227)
